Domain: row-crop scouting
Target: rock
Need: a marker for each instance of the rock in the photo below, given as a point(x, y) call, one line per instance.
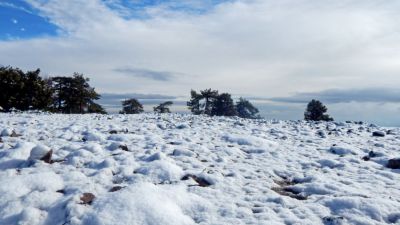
point(366, 158)
point(41, 152)
point(14, 134)
point(378, 134)
point(123, 147)
point(199, 180)
point(321, 134)
point(391, 132)
point(394, 163)
point(87, 198)
point(113, 132)
point(115, 188)
point(372, 154)
point(182, 126)
point(333, 220)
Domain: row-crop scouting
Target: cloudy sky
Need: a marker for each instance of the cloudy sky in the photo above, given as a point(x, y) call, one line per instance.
point(279, 53)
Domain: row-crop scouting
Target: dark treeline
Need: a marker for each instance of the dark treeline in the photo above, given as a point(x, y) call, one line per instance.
point(73, 94)
point(210, 102)
point(62, 94)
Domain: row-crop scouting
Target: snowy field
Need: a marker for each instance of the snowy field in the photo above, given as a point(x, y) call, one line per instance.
point(182, 169)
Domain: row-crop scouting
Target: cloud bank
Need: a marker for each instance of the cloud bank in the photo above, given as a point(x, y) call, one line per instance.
point(262, 48)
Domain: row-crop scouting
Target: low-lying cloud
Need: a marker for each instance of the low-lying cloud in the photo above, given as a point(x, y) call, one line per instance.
point(377, 95)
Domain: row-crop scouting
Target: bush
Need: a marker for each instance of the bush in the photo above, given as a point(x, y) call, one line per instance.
point(316, 112)
point(163, 107)
point(246, 110)
point(131, 106)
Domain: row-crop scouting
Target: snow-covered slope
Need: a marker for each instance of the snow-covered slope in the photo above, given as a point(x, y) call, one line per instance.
point(182, 169)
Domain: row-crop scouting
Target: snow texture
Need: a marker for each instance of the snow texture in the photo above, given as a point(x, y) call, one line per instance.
point(174, 169)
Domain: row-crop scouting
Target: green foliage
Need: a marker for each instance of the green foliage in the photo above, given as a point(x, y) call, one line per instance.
point(163, 107)
point(316, 111)
point(211, 103)
point(131, 106)
point(246, 110)
point(73, 94)
point(201, 103)
point(23, 91)
point(29, 91)
point(223, 106)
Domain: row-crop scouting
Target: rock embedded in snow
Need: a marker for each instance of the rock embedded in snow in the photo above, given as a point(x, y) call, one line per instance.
point(394, 163)
point(87, 198)
point(333, 220)
point(378, 134)
point(41, 152)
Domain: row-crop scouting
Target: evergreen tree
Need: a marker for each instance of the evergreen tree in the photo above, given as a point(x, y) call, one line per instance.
point(316, 111)
point(246, 110)
point(38, 93)
point(209, 96)
point(194, 103)
point(163, 107)
point(23, 91)
point(73, 94)
point(11, 86)
point(223, 106)
point(131, 106)
point(201, 103)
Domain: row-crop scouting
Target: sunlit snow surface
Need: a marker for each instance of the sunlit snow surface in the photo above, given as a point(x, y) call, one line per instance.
point(256, 172)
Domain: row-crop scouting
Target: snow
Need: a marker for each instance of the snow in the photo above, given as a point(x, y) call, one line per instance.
point(38, 152)
point(235, 171)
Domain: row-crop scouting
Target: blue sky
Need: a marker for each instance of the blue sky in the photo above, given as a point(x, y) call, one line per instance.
point(20, 21)
point(281, 53)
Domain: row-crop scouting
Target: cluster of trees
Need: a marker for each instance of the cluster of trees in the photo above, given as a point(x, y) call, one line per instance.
point(73, 94)
point(210, 102)
point(29, 91)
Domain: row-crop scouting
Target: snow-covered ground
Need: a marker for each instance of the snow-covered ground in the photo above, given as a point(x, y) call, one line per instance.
point(182, 169)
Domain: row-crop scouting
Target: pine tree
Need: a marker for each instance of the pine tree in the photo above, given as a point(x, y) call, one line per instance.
point(246, 110)
point(316, 111)
point(209, 96)
point(131, 106)
point(223, 106)
point(163, 107)
point(202, 103)
point(194, 103)
point(73, 94)
point(24, 91)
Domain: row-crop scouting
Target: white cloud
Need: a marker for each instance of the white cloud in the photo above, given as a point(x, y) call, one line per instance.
point(256, 47)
